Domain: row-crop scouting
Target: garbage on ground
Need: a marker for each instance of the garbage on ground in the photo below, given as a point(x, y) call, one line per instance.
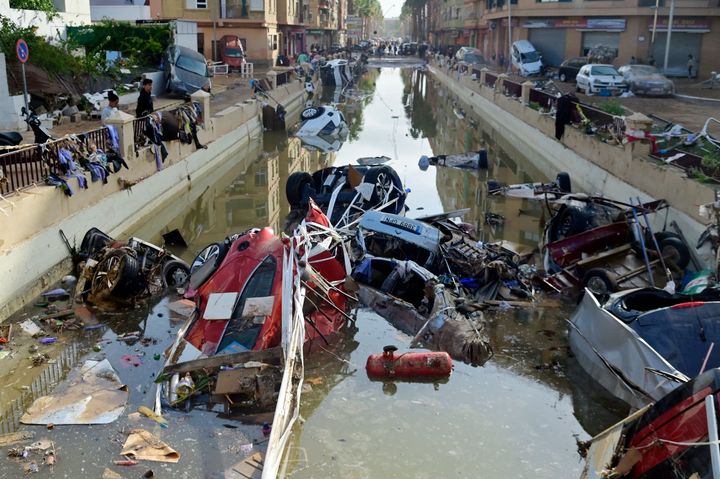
point(92, 394)
point(29, 327)
point(147, 412)
point(15, 437)
point(472, 160)
point(143, 445)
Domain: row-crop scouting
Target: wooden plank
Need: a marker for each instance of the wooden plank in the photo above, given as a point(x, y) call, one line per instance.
point(604, 255)
point(270, 356)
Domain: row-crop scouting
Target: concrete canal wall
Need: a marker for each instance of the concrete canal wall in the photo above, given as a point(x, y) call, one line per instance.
point(615, 171)
point(32, 253)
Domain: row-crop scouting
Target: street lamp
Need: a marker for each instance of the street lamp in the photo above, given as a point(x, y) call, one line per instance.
point(509, 56)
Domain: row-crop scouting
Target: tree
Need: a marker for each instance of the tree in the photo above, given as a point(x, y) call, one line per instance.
point(367, 10)
point(46, 6)
point(416, 11)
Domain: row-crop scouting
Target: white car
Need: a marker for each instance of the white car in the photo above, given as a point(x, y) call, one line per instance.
point(598, 78)
point(322, 121)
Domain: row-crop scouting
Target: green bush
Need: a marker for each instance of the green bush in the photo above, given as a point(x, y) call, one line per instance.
point(612, 107)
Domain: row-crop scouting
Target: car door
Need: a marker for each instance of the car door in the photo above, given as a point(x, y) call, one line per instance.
point(574, 67)
point(581, 78)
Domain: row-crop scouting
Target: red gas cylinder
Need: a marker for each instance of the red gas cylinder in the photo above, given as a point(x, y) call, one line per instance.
point(421, 365)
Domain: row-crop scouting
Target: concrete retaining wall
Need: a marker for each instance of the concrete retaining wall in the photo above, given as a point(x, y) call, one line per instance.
point(32, 254)
point(618, 172)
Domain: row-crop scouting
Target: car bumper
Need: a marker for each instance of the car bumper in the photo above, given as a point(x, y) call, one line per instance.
point(612, 89)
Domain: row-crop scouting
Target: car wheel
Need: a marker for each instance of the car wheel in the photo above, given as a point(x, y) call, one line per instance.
point(577, 88)
point(563, 77)
point(118, 274)
point(600, 281)
point(175, 274)
point(563, 182)
point(206, 262)
point(311, 113)
point(675, 251)
point(295, 187)
point(386, 187)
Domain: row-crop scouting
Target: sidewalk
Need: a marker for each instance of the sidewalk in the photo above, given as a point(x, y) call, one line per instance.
point(227, 90)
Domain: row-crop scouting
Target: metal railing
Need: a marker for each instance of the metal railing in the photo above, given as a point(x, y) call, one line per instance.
point(29, 166)
point(544, 99)
point(490, 79)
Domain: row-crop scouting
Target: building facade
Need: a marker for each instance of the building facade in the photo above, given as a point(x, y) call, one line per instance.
point(266, 28)
point(562, 29)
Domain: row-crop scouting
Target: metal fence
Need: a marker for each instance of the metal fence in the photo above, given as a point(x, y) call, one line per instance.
point(42, 385)
point(544, 99)
point(29, 166)
point(490, 79)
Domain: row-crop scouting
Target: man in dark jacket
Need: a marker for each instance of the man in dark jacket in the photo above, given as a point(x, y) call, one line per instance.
point(144, 102)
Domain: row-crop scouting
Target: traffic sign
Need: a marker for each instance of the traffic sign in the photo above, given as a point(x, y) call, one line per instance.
point(22, 51)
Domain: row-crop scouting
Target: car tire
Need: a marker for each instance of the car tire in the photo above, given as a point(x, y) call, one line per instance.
point(563, 77)
point(563, 182)
point(386, 183)
point(175, 274)
point(312, 113)
point(295, 187)
point(600, 281)
point(577, 88)
point(675, 251)
point(118, 274)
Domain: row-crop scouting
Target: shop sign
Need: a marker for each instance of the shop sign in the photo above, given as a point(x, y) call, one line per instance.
point(316, 32)
point(682, 24)
point(577, 22)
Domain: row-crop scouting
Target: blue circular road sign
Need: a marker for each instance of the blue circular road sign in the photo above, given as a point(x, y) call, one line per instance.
point(22, 50)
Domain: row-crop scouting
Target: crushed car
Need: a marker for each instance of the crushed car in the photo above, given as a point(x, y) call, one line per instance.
point(111, 271)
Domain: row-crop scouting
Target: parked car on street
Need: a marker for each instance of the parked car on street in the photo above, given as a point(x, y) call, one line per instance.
point(646, 80)
point(569, 68)
point(599, 78)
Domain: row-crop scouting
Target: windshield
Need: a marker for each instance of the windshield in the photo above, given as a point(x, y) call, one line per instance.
point(643, 70)
point(529, 57)
point(192, 65)
point(603, 70)
point(474, 58)
point(233, 53)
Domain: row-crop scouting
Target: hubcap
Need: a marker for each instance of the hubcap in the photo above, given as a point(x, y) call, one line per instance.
point(597, 285)
point(209, 253)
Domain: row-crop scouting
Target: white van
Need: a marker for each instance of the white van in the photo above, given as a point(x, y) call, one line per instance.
point(525, 59)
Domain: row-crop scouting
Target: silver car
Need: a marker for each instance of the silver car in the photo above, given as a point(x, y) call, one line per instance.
point(647, 80)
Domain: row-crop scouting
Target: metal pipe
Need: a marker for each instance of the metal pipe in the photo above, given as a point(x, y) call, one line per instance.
point(713, 435)
point(509, 57)
point(654, 27)
point(669, 34)
point(642, 246)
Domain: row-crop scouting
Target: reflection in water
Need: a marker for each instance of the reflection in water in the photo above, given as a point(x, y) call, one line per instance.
point(519, 415)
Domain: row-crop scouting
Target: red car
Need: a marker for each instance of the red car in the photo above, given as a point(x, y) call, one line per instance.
point(238, 288)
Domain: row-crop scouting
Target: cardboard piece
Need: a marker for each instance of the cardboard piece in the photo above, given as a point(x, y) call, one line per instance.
point(142, 445)
point(220, 306)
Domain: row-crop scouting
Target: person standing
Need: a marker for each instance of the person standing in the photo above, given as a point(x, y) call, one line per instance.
point(145, 102)
point(113, 102)
point(690, 65)
point(633, 61)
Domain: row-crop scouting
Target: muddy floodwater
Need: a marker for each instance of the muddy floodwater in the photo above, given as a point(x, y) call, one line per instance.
point(517, 416)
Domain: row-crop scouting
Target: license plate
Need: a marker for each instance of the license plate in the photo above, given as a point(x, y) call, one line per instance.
point(604, 92)
point(656, 90)
point(404, 225)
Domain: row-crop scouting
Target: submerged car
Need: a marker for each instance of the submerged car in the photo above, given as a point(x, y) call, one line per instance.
point(336, 72)
point(322, 121)
point(647, 80)
point(121, 272)
point(346, 192)
point(186, 71)
point(470, 57)
point(599, 78)
point(595, 242)
point(673, 438)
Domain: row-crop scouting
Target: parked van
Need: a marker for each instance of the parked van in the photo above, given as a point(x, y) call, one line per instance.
point(525, 59)
point(232, 53)
point(186, 71)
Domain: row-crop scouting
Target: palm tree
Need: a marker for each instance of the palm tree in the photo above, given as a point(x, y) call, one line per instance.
point(367, 10)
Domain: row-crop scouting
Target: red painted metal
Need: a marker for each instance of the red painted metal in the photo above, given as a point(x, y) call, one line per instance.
point(684, 422)
point(568, 251)
point(420, 365)
point(689, 304)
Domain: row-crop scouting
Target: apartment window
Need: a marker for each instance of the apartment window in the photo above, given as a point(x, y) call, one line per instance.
point(196, 4)
point(457, 13)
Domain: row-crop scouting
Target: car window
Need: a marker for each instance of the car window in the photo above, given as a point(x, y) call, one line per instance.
point(530, 57)
point(604, 70)
point(192, 65)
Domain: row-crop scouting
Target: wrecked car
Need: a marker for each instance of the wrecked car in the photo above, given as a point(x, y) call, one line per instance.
point(414, 301)
point(186, 71)
point(673, 437)
point(346, 192)
point(324, 121)
point(243, 294)
point(444, 247)
point(600, 244)
point(536, 191)
point(120, 272)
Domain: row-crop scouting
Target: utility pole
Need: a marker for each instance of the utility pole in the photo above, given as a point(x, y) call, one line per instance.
point(509, 56)
point(214, 17)
point(669, 34)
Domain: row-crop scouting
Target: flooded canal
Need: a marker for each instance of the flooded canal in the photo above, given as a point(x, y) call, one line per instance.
point(517, 416)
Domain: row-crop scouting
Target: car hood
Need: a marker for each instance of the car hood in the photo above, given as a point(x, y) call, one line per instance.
point(654, 78)
point(609, 78)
